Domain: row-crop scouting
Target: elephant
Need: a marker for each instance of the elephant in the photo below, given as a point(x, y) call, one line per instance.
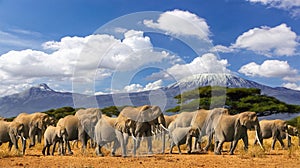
point(277, 129)
point(232, 128)
point(200, 120)
point(139, 121)
point(292, 131)
point(170, 119)
point(74, 130)
point(53, 135)
point(34, 125)
point(105, 132)
point(10, 132)
point(88, 119)
point(178, 137)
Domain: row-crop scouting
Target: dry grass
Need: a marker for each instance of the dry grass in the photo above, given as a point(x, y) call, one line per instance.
point(254, 151)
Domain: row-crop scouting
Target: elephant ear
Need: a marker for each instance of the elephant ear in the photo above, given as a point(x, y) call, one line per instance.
point(21, 127)
point(238, 123)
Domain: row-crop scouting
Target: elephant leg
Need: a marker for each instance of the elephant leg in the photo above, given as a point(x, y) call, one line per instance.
point(23, 146)
point(69, 148)
point(10, 144)
point(218, 149)
point(149, 144)
point(163, 141)
point(48, 149)
point(116, 145)
point(281, 142)
point(98, 150)
point(189, 143)
point(120, 138)
point(171, 147)
point(32, 138)
point(234, 144)
point(44, 148)
point(245, 140)
point(53, 149)
point(273, 143)
point(179, 151)
point(289, 139)
point(208, 142)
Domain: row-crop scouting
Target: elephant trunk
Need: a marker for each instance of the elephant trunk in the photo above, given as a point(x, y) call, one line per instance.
point(259, 135)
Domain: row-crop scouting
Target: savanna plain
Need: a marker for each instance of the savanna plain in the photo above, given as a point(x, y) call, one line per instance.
point(254, 157)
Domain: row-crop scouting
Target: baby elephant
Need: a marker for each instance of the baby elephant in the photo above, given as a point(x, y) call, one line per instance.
point(53, 135)
point(178, 137)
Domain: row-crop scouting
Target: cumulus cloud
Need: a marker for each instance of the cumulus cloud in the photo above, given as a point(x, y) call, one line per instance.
point(293, 6)
point(276, 41)
point(269, 68)
point(293, 86)
point(94, 54)
point(207, 63)
point(190, 24)
point(138, 87)
point(221, 48)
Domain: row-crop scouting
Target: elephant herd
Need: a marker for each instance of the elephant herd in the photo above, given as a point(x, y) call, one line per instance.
point(139, 123)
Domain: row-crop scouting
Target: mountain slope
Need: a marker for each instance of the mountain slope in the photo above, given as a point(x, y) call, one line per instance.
point(41, 97)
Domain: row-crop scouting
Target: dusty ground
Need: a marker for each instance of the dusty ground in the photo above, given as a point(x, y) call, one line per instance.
point(254, 157)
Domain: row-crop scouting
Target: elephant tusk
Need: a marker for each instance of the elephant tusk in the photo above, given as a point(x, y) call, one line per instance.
point(134, 138)
point(164, 127)
point(259, 141)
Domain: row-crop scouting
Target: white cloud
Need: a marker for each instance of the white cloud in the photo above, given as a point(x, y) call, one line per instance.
point(293, 86)
point(139, 88)
point(93, 54)
point(269, 68)
point(207, 63)
point(276, 41)
point(221, 48)
point(178, 22)
point(288, 5)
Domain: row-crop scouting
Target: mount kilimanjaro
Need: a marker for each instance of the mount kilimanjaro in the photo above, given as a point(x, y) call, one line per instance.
point(42, 98)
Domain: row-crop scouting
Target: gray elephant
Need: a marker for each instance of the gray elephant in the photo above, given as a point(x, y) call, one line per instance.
point(53, 135)
point(105, 132)
point(277, 129)
point(199, 126)
point(74, 130)
point(140, 121)
point(10, 132)
point(232, 128)
point(178, 137)
point(88, 119)
point(170, 119)
point(34, 125)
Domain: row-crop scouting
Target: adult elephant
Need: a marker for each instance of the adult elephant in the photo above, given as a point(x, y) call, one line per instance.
point(200, 120)
point(139, 121)
point(105, 132)
point(277, 129)
point(74, 130)
point(232, 128)
point(88, 119)
point(170, 119)
point(34, 125)
point(10, 132)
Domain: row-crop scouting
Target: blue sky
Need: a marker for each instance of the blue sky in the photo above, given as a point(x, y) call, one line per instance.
point(49, 42)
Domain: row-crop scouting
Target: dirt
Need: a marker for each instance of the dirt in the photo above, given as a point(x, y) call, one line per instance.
point(34, 158)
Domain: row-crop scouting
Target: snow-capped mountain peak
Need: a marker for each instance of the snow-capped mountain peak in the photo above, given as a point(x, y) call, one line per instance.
point(213, 79)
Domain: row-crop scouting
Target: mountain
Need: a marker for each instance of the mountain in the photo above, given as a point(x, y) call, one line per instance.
point(42, 98)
